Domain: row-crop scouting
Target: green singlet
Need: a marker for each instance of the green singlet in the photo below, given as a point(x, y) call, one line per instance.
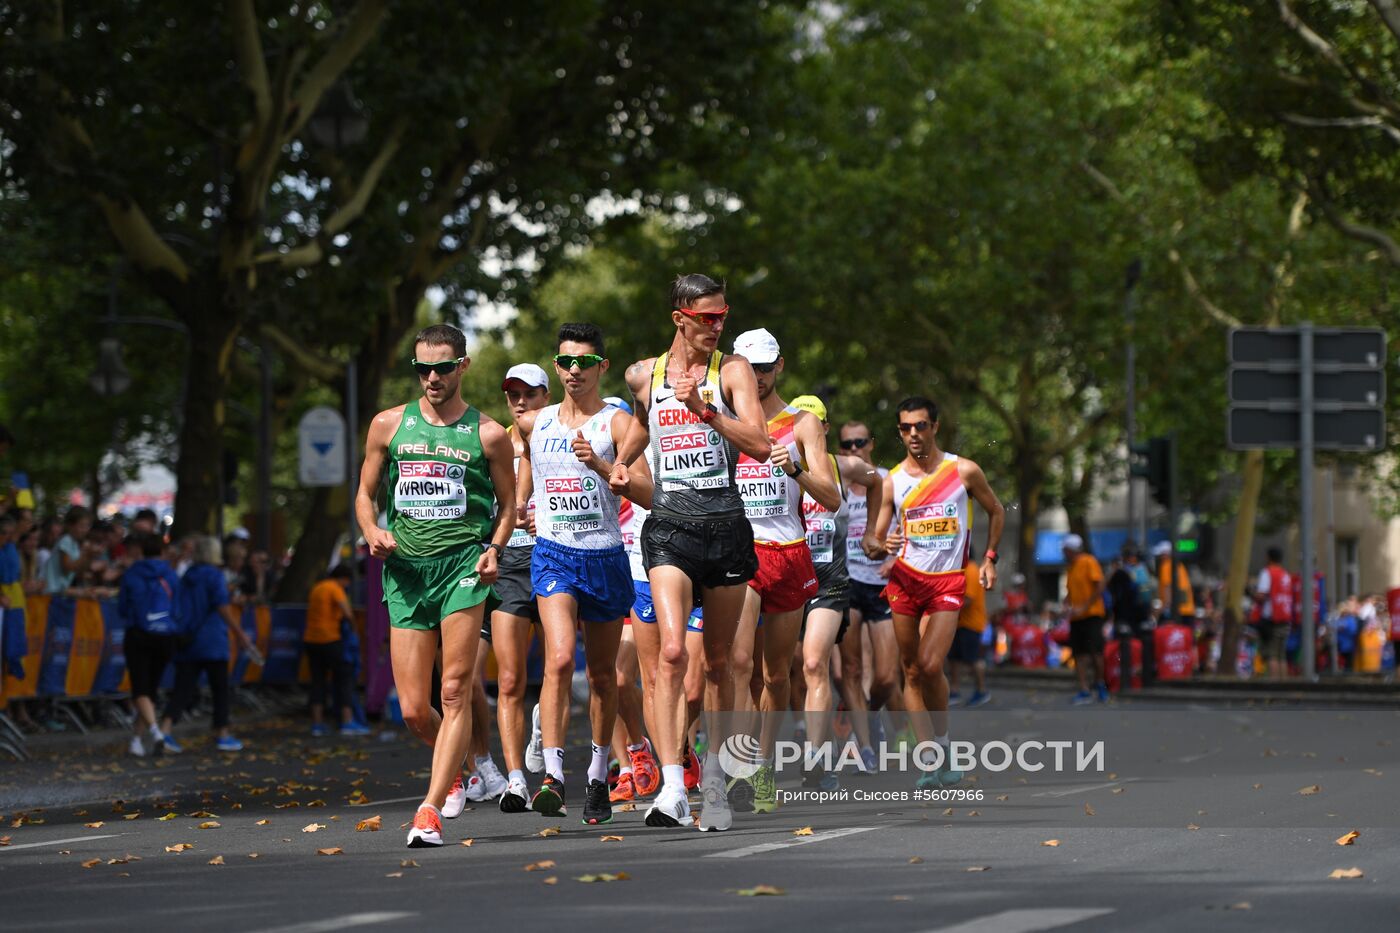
point(440, 498)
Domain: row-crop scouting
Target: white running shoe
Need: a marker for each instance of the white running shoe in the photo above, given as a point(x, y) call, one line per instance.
point(426, 832)
point(137, 746)
point(456, 799)
point(515, 798)
point(534, 752)
point(476, 788)
point(495, 781)
point(715, 813)
point(670, 809)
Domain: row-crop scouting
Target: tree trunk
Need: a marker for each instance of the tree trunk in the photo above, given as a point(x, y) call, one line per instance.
point(1030, 484)
point(198, 496)
point(1238, 576)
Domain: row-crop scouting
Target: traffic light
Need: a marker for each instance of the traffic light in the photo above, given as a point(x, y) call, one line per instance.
point(1152, 460)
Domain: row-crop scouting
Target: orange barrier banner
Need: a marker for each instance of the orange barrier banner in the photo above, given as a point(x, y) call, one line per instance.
point(85, 652)
point(36, 625)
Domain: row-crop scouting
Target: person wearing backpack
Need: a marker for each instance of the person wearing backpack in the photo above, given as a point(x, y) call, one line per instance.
point(146, 606)
point(206, 619)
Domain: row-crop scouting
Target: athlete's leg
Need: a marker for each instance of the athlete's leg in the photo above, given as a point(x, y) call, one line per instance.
point(648, 640)
point(673, 595)
point(797, 689)
point(413, 654)
point(723, 607)
point(935, 638)
point(694, 681)
point(885, 667)
point(629, 730)
point(742, 657)
point(461, 635)
point(817, 643)
point(779, 643)
point(480, 745)
point(852, 679)
point(600, 647)
point(559, 619)
point(510, 639)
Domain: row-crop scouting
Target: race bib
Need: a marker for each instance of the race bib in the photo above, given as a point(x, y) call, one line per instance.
point(571, 504)
point(692, 459)
point(521, 536)
point(821, 539)
point(764, 488)
point(430, 490)
point(932, 527)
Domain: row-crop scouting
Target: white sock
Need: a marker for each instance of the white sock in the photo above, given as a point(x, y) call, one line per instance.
point(636, 748)
point(673, 776)
point(624, 769)
point(942, 740)
point(516, 776)
point(554, 763)
point(598, 764)
point(481, 760)
point(155, 732)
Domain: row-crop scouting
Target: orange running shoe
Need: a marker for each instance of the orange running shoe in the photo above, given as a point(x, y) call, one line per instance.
point(624, 790)
point(692, 769)
point(646, 774)
point(426, 832)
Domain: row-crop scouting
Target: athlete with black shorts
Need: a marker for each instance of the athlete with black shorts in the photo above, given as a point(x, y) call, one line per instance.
point(698, 409)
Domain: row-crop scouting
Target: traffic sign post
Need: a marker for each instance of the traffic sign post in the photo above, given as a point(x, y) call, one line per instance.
point(322, 456)
point(1306, 388)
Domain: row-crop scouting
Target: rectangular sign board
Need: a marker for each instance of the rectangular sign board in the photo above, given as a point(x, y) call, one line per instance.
point(1343, 429)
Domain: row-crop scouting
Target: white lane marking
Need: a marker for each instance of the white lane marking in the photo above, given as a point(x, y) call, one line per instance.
point(1083, 790)
point(1026, 921)
point(789, 843)
point(375, 803)
point(58, 842)
point(331, 924)
point(1187, 759)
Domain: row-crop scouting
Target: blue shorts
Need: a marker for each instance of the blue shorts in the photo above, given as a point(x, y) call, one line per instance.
point(645, 610)
point(598, 580)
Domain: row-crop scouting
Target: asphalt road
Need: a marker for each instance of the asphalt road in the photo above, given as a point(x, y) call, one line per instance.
point(1197, 819)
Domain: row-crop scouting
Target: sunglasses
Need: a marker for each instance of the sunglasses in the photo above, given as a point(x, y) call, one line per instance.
point(906, 427)
point(442, 369)
point(581, 360)
point(764, 368)
point(706, 318)
point(855, 443)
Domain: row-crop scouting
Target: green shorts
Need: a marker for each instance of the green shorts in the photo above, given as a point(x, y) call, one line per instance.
point(422, 591)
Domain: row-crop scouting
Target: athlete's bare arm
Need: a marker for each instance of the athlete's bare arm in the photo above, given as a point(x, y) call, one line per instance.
point(525, 478)
point(638, 476)
point(381, 431)
point(978, 487)
point(816, 480)
point(500, 455)
point(748, 432)
point(638, 378)
point(891, 539)
point(859, 473)
point(641, 487)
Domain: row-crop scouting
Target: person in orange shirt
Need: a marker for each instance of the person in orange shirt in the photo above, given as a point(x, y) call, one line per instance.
point(1084, 602)
point(1185, 599)
point(326, 608)
point(966, 651)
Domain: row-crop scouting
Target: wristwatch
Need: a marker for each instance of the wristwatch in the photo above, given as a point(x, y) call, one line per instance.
point(709, 414)
point(800, 469)
point(991, 556)
point(499, 549)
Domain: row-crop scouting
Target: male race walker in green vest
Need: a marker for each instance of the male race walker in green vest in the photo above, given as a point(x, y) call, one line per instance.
point(451, 507)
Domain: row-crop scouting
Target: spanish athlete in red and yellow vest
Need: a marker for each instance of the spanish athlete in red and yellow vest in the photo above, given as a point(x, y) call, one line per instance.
point(926, 498)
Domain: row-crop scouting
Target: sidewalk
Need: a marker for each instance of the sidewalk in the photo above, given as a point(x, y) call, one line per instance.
point(1373, 690)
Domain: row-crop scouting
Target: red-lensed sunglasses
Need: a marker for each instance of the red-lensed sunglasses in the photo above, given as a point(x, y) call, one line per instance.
point(706, 318)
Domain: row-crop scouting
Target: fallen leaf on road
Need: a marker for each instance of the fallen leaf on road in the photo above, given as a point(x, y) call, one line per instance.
point(370, 825)
point(1003, 796)
point(1088, 810)
point(1119, 790)
point(203, 815)
point(1346, 873)
point(1051, 842)
point(468, 842)
point(1310, 790)
point(209, 824)
point(974, 812)
point(94, 862)
point(900, 897)
point(760, 890)
point(263, 822)
point(627, 808)
point(288, 804)
point(216, 860)
point(336, 850)
point(167, 818)
point(96, 825)
point(394, 874)
point(603, 876)
point(1371, 771)
point(1258, 786)
point(313, 827)
point(317, 803)
point(358, 797)
point(610, 839)
point(132, 816)
point(4, 840)
point(916, 860)
point(978, 868)
point(804, 831)
point(252, 855)
point(1242, 905)
point(548, 831)
point(948, 812)
point(540, 866)
point(1192, 826)
point(408, 863)
point(552, 879)
point(1349, 839)
point(179, 847)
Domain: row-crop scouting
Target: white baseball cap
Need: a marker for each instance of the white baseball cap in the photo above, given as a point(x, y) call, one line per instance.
point(757, 346)
point(1072, 542)
point(1162, 548)
point(528, 373)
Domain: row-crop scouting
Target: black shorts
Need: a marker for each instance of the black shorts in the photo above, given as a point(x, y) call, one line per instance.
point(513, 586)
point(1086, 635)
point(866, 599)
point(966, 647)
point(713, 552)
point(147, 656)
